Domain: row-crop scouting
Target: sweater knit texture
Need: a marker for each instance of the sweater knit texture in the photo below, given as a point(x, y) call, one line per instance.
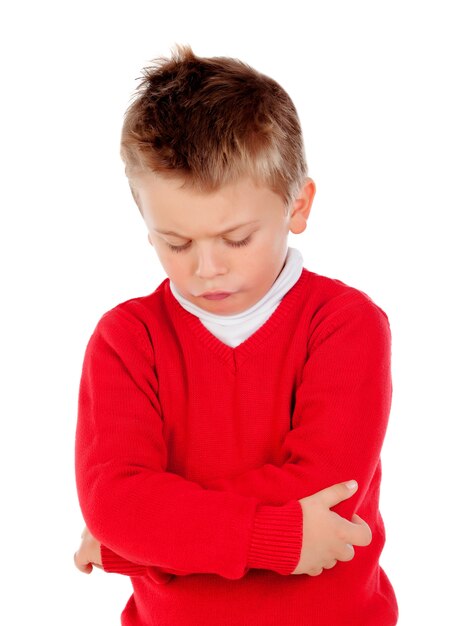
point(191, 456)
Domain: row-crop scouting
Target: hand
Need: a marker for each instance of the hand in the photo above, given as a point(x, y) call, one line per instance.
point(88, 554)
point(328, 537)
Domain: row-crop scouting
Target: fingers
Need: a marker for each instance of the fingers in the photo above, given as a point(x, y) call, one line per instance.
point(357, 532)
point(331, 564)
point(315, 572)
point(347, 553)
point(331, 496)
point(85, 568)
point(364, 534)
point(318, 570)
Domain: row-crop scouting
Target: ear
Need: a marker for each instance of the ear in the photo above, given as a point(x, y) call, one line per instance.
point(301, 207)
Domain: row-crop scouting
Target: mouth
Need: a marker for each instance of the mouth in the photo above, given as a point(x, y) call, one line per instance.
point(215, 295)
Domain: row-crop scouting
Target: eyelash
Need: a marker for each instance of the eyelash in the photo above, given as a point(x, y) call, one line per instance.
point(234, 244)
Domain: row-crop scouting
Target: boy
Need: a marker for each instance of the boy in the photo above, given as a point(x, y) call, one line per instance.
point(220, 416)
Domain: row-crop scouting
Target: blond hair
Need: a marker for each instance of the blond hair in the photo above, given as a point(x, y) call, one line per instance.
point(210, 121)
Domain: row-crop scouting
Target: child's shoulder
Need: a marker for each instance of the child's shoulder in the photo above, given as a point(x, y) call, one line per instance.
point(333, 294)
point(137, 312)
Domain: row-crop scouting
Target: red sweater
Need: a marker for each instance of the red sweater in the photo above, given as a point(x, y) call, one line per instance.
point(191, 457)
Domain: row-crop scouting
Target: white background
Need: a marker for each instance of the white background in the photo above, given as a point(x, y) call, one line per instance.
point(374, 84)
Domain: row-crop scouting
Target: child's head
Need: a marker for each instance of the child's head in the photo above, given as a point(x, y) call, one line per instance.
point(210, 143)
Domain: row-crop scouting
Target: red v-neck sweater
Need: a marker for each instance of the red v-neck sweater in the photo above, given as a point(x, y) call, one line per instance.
point(191, 457)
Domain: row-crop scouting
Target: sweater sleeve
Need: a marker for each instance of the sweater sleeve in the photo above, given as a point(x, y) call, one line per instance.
point(148, 520)
point(340, 416)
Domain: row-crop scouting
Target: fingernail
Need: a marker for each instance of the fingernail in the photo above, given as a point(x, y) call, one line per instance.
point(351, 484)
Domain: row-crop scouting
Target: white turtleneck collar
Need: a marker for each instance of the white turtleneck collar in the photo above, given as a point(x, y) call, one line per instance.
point(234, 329)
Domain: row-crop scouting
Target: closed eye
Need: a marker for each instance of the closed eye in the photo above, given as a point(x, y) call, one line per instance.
point(233, 244)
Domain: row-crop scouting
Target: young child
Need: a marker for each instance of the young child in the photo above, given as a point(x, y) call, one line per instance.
point(221, 416)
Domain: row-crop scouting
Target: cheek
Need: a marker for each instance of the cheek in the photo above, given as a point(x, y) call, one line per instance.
point(170, 264)
point(265, 252)
point(166, 260)
point(176, 264)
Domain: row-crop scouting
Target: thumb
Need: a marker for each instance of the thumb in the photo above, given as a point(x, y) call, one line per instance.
point(331, 496)
point(85, 568)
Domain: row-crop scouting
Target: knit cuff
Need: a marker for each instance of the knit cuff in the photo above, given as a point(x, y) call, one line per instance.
point(277, 538)
point(113, 563)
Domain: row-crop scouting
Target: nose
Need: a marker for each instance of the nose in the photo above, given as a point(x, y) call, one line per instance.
point(210, 263)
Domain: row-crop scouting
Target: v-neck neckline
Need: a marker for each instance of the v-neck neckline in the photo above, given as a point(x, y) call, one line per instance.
point(235, 356)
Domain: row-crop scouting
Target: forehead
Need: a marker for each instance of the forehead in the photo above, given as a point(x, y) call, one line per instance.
point(167, 206)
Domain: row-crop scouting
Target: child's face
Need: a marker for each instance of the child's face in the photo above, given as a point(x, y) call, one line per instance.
point(199, 257)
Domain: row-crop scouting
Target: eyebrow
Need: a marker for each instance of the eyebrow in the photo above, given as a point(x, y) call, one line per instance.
point(224, 232)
